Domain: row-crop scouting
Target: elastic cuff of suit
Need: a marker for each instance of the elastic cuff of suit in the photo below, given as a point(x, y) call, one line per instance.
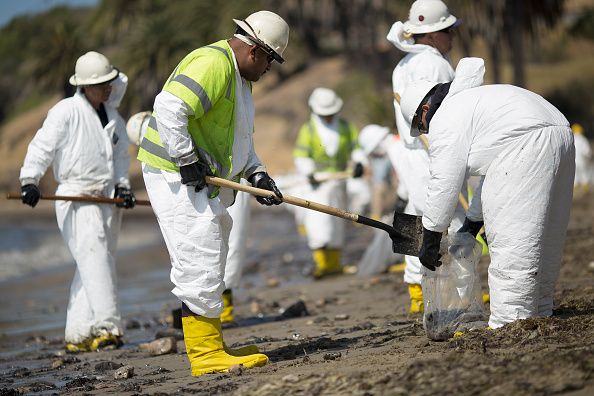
point(24, 182)
point(186, 159)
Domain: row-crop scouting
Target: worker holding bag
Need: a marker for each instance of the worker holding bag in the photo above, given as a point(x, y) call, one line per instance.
point(523, 149)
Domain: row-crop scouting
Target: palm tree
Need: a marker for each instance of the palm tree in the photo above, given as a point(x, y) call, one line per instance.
point(56, 51)
point(149, 55)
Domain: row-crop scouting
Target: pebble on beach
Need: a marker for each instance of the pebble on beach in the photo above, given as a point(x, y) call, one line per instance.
point(124, 372)
point(161, 346)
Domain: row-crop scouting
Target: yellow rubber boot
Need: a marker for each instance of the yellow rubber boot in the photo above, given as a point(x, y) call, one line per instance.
point(486, 298)
point(227, 315)
point(396, 268)
point(301, 230)
point(205, 348)
point(105, 340)
point(243, 351)
point(95, 343)
point(416, 298)
point(327, 262)
point(83, 346)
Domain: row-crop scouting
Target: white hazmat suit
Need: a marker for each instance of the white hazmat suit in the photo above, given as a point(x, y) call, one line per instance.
point(379, 255)
point(422, 62)
point(87, 159)
point(241, 215)
point(522, 147)
point(195, 228)
point(325, 231)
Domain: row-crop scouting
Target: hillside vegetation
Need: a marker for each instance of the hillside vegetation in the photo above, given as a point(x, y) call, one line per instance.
point(336, 43)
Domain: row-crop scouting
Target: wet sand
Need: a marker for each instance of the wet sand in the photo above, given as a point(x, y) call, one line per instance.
point(356, 339)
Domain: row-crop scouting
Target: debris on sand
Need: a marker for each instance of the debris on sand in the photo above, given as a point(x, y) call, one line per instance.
point(237, 369)
point(161, 346)
point(332, 355)
point(124, 372)
point(296, 310)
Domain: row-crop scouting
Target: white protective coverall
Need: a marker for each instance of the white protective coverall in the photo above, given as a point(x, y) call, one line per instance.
point(379, 254)
point(195, 228)
point(325, 231)
point(422, 62)
point(583, 155)
point(241, 215)
point(522, 147)
point(87, 159)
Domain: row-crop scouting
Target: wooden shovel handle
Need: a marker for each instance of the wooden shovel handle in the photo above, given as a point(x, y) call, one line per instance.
point(217, 181)
point(90, 199)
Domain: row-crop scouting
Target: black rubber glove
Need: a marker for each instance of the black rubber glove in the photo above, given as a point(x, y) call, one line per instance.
point(472, 227)
point(429, 254)
point(127, 195)
point(312, 181)
point(194, 175)
point(262, 180)
point(358, 170)
point(30, 194)
point(400, 205)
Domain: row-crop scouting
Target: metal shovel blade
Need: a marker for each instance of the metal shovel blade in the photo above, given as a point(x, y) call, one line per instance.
point(406, 234)
point(410, 229)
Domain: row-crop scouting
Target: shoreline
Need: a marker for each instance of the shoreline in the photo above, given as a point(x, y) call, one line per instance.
point(356, 339)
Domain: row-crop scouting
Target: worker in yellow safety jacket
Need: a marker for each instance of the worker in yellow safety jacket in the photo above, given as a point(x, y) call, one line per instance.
point(202, 124)
point(326, 144)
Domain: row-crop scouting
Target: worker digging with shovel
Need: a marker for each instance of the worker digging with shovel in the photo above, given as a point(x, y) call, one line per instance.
point(202, 125)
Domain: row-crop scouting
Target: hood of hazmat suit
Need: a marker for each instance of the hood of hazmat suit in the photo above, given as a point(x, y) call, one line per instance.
point(422, 62)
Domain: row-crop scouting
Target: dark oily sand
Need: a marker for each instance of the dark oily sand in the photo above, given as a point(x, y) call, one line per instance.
point(375, 349)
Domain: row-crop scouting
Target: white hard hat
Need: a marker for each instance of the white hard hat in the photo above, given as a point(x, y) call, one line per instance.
point(411, 99)
point(371, 136)
point(268, 30)
point(136, 126)
point(324, 102)
point(428, 16)
point(93, 68)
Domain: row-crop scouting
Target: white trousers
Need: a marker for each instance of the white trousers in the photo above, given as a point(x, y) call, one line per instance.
point(323, 230)
point(196, 231)
point(90, 232)
point(241, 215)
point(414, 172)
point(526, 199)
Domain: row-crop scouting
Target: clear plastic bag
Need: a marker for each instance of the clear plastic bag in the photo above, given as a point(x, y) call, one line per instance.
point(452, 293)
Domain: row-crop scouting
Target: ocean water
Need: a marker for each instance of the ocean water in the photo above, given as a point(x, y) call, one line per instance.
point(34, 246)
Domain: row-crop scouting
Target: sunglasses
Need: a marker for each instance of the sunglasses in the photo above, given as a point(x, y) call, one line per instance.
point(272, 55)
point(269, 55)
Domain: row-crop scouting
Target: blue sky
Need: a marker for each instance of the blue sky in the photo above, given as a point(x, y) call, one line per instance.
point(12, 8)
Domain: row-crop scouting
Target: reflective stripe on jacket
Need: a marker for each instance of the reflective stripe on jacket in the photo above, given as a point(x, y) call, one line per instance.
point(309, 145)
point(205, 81)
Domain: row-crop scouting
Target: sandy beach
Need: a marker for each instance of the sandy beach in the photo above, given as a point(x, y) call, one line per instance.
point(355, 338)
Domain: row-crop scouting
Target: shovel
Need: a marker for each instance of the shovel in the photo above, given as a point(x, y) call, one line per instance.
point(406, 235)
point(89, 199)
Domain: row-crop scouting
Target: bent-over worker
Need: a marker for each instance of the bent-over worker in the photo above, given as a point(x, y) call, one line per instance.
point(522, 147)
